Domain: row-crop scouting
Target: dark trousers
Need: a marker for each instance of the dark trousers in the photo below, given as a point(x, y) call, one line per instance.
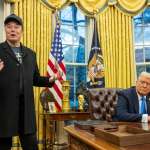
point(28, 142)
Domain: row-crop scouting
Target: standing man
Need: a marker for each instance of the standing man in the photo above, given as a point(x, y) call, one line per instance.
point(18, 74)
point(134, 103)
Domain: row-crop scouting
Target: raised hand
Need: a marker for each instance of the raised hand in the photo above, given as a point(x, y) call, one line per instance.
point(56, 76)
point(1, 64)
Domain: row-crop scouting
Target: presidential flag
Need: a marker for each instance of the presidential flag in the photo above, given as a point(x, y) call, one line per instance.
point(55, 65)
point(95, 62)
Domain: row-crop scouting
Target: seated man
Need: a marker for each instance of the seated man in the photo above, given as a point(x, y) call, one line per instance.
point(134, 103)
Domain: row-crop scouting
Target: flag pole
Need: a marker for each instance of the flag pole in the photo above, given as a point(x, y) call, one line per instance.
point(56, 17)
point(95, 38)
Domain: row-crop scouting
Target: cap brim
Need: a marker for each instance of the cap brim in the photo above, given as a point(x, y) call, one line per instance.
point(12, 19)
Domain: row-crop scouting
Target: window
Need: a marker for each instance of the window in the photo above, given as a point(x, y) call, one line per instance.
point(74, 33)
point(142, 41)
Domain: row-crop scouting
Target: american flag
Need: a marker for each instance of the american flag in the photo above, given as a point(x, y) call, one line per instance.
point(55, 65)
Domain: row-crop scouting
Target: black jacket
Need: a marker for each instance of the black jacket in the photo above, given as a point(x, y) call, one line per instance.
point(9, 90)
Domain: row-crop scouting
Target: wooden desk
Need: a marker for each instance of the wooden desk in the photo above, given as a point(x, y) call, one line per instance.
point(84, 140)
point(61, 116)
point(50, 122)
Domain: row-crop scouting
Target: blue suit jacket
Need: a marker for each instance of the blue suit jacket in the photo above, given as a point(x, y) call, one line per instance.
point(128, 105)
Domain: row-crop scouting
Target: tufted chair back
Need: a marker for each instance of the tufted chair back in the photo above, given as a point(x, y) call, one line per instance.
point(103, 102)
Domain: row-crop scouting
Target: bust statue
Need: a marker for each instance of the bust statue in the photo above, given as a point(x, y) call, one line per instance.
point(82, 90)
point(81, 102)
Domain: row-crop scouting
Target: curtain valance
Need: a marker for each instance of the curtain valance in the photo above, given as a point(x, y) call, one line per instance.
point(131, 7)
point(92, 7)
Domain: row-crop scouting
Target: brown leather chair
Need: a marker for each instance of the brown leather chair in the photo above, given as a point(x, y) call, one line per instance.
point(102, 103)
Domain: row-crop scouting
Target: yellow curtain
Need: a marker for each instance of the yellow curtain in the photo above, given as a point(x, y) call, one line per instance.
point(115, 31)
point(37, 36)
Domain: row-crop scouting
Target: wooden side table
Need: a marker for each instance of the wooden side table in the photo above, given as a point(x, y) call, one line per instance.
point(53, 118)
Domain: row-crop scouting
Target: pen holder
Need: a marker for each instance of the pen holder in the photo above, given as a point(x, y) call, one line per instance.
point(66, 102)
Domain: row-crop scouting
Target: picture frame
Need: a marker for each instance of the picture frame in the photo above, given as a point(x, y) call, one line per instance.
point(52, 107)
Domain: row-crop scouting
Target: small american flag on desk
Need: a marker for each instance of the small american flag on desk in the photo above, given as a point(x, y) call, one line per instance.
point(56, 64)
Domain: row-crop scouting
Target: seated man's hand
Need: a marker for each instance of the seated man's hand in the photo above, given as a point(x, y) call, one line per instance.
point(148, 118)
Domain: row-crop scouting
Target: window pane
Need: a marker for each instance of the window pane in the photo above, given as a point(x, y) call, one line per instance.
point(67, 51)
point(146, 16)
point(70, 77)
point(138, 35)
point(80, 57)
point(139, 69)
point(66, 34)
point(81, 31)
point(70, 74)
point(147, 54)
point(75, 52)
point(81, 19)
point(148, 68)
point(81, 75)
point(139, 55)
point(73, 99)
point(79, 54)
point(138, 20)
point(79, 36)
point(66, 15)
point(147, 35)
point(76, 37)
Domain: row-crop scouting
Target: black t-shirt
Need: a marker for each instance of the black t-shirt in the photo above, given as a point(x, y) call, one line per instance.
point(17, 52)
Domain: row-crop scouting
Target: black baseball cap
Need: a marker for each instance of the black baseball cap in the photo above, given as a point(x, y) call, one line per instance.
point(13, 17)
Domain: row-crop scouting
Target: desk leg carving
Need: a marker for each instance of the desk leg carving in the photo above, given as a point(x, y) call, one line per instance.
point(75, 144)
